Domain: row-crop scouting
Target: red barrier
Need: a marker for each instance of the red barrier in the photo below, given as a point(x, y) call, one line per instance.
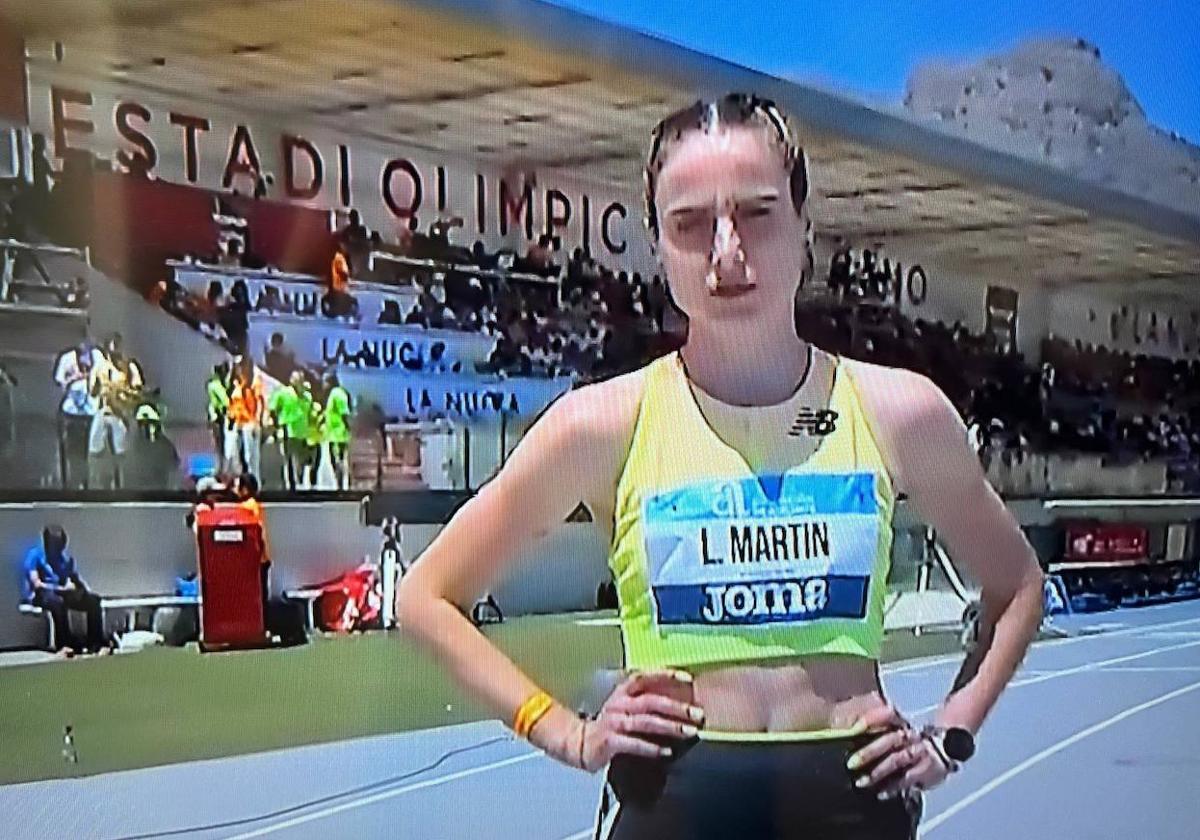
point(138, 224)
point(287, 236)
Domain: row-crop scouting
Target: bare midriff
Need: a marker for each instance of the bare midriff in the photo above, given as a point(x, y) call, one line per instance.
point(792, 695)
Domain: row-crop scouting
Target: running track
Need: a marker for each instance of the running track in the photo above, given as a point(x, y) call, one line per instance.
point(1097, 737)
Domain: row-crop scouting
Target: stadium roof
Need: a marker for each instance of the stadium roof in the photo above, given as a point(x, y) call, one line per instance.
point(522, 83)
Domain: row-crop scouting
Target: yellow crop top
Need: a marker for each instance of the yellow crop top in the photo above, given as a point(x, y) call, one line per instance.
point(715, 564)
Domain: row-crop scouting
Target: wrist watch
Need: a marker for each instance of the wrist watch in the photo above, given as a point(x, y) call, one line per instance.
point(953, 744)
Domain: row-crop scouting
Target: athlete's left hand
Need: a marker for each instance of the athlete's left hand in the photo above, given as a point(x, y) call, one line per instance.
point(899, 759)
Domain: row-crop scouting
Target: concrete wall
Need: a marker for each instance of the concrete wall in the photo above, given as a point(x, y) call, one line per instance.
point(139, 548)
point(559, 573)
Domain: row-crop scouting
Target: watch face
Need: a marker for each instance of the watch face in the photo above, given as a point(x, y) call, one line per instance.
point(959, 744)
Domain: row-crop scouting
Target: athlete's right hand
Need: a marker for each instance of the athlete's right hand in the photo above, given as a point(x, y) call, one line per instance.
point(646, 704)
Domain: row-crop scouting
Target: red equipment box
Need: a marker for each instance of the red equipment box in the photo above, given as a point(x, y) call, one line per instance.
point(230, 549)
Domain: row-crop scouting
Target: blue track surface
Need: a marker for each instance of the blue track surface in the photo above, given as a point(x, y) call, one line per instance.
point(1097, 737)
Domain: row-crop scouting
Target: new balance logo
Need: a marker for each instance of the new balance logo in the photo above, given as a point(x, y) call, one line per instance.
point(810, 422)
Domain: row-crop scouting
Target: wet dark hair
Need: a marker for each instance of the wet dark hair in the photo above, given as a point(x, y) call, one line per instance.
point(737, 109)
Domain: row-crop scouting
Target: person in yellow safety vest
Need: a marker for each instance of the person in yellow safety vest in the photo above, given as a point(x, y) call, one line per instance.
point(218, 411)
point(290, 415)
point(335, 428)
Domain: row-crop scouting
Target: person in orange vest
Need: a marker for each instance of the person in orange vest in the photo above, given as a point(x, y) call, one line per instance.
point(245, 489)
point(338, 302)
point(243, 444)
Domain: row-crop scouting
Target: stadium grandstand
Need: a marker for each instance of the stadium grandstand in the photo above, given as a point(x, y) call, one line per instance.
point(260, 238)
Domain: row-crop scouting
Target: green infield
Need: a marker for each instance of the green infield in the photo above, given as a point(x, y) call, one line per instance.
point(166, 705)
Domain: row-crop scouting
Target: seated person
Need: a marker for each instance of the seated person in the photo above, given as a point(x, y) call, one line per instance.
point(50, 580)
point(538, 256)
point(338, 302)
point(437, 358)
point(391, 313)
point(480, 256)
point(231, 255)
point(354, 231)
point(416, 317)
point(208, 308)
point(271, 301)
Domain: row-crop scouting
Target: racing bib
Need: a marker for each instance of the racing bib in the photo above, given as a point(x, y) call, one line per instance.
point(724, 553)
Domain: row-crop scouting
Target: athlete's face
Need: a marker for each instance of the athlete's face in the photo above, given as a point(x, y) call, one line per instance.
point(731, 242)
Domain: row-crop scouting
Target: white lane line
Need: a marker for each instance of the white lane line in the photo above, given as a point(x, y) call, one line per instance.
point(1167, 669)
point(378, 797)
point(497, 765)
point(936, 821)
point(957, 657)
point(1080, 669)
point(1092, 666)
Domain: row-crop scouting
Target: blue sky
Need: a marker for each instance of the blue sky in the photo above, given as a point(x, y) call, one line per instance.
point(869, 49)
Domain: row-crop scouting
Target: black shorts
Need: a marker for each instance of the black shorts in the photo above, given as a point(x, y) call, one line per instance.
point(791, 790)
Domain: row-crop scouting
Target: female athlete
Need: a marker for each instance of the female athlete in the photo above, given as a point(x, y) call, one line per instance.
point(747, 484)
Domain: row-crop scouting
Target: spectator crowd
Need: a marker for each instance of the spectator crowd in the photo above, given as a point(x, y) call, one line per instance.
point(1123, 406)
point(549, 316)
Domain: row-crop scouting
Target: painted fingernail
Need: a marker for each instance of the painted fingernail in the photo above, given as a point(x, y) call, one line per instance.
point(683, 676)
point(862, 781)
point(854, 762)
point(883, 795)
point(665, 752)
point(688, 731)
point(696, 713)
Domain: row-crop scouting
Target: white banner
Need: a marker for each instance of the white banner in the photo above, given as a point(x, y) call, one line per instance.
point(298, 293)
point(458, 398)
point(322, 341)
